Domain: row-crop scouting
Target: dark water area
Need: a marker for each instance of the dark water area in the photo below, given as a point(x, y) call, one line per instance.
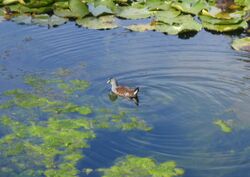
point(185, 84)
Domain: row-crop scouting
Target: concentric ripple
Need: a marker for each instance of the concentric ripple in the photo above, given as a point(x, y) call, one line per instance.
point(184, 86)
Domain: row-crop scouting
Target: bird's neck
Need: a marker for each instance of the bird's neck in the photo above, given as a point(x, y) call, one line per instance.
point(113, 87)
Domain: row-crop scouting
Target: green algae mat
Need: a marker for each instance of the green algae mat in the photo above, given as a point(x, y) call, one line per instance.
point(45, 132)
point(166, 16)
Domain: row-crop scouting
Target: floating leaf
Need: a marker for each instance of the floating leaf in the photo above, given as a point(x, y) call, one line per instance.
point(190, 6)
point(141, 27)
point(56, 21)
point(101, 9)
point(225, 28)
point(23, 9)
point(216, 12)
point(22, 19)
point(245, 3)
point(216, 21)
point(131, 166)
point(64, 13)
point(79, 8)
point(183, 23)
point(157, 5)
point(36, 3)
point(98, 7)
point(103, 22)
point(167, 16)
point(133, 13)
point(242, 44)
point(42, 20)
point(61, 5)
point(7, 2)
point(223, 126)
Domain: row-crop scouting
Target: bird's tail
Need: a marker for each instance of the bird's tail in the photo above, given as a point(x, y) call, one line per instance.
point(136, 91)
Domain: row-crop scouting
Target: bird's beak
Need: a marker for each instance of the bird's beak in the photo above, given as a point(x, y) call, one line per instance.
point(108, 81)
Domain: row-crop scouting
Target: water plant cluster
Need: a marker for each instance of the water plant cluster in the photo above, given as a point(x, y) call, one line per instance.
point(167, 16)
point(44, 131)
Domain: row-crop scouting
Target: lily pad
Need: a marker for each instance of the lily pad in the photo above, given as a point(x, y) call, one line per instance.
point(23, 9)
point(225, 28)
point(223, 126)
point(42, 20)
point(103, 22)
point(190, 6)
point(242, 44)
point(22, 19)
point(98, 7)
point(183, 23)
point(7, 2)
point(64, 13)
point(216, 21)
point(79, 8)
point(36, 3)
point(56, 21)
point(141, 27)
point(98, 10)
point(167, 16)
point(157, 5)
point(131, 166)
point(216, 12)
point(61, 5)
point(133, 13)
point(45, 20)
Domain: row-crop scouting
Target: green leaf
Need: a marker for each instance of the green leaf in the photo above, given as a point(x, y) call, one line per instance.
point(183, 23)
point(167, 16)
point(42, 20)
point(36, 3)
point(22, 19)
point(23, 9)
point(157, 5)
point(61, 5)
point(133, 13)
point(98, 7)
point(56, 21)
point(103, 22)
point(223, 126)
point(141, 27)
point(216, 21)
point(225, 28)
point(79, 8)
point(131, 166)
point(216, 12)
point(64, 13)
point(190, 6)
point(242, 44)
point(98, 10)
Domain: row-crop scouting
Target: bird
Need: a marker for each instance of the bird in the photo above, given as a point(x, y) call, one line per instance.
point(123, 91)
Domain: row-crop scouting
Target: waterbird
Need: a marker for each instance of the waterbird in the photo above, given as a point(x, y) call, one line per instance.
point(123, 91)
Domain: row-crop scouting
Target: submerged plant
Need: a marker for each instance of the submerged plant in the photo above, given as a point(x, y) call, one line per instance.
point(133, 166)
point(47, 132)
point(224, 126)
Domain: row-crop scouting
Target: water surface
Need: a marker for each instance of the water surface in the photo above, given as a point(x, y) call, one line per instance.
point(184, 86)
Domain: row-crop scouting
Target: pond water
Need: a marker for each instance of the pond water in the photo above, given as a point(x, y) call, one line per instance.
point(185, 84)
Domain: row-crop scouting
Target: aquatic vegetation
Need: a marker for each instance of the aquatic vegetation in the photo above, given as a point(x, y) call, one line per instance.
point(141, 27)
point(131, 166)
point(103, 22)
point(178, 24)
point(242, 44)
point(168, 16)
point(224, 126)
point(73, 86)
point(47, 132)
